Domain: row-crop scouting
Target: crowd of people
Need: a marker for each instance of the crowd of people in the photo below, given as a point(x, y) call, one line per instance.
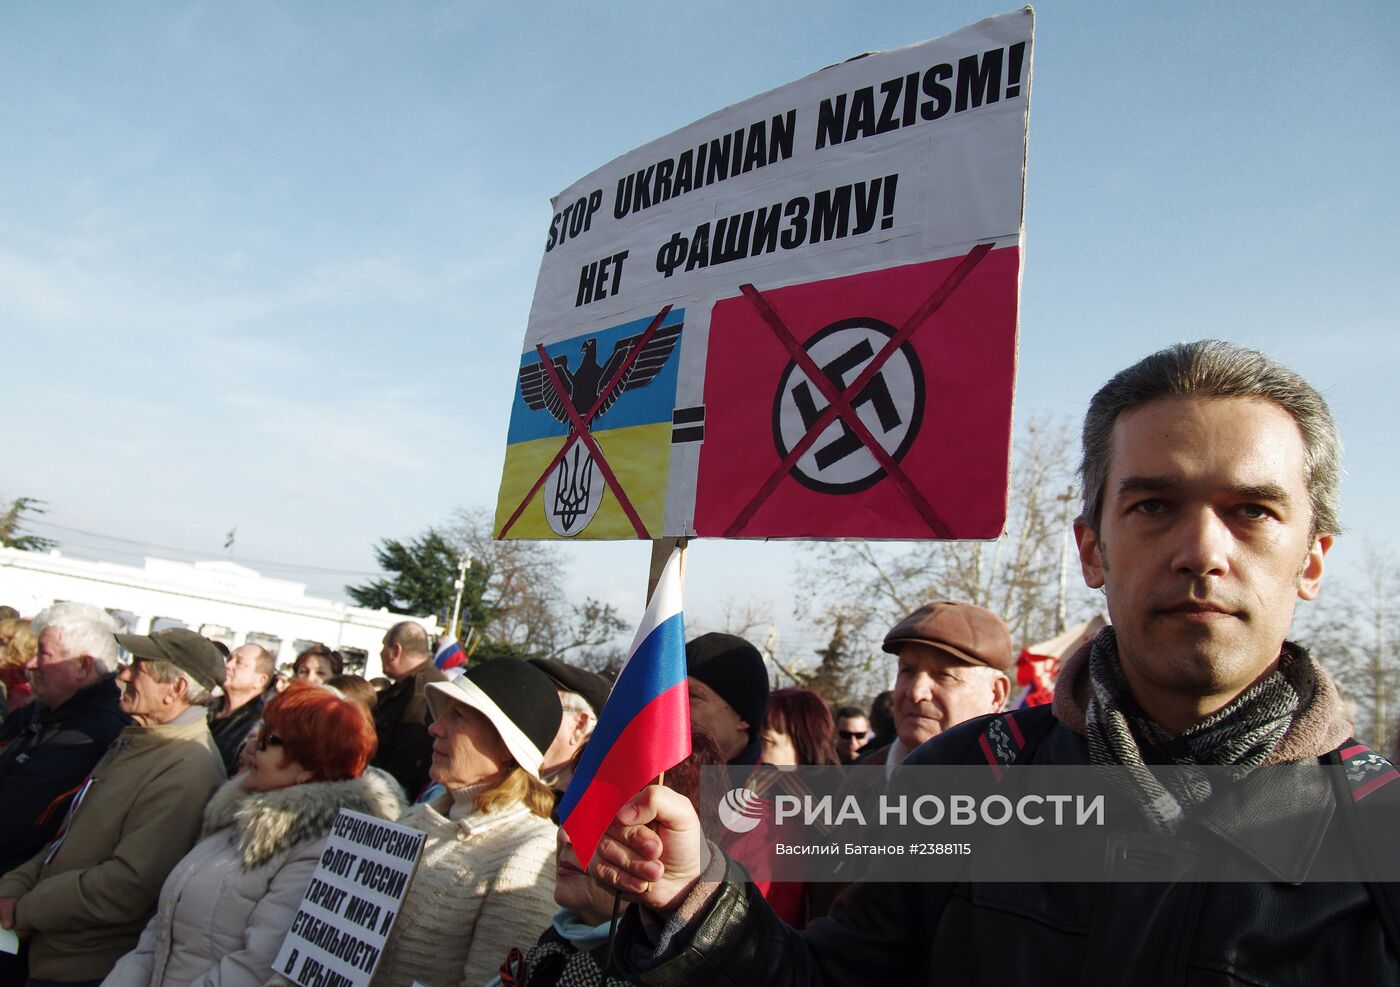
point(166, 799)
point(177, 802)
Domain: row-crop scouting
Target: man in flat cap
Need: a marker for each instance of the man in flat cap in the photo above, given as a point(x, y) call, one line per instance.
point(952, 660)
point(85, 897)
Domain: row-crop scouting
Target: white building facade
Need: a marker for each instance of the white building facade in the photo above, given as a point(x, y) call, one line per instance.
point(223, 601)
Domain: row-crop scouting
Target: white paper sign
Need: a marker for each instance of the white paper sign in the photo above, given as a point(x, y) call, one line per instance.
point(350, 905)
point(705, 299)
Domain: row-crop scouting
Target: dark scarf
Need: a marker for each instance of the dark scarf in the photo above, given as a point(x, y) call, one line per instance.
point(1241, 735)
point(556, 961)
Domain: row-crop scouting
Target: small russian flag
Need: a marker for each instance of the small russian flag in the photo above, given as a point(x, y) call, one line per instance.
point(449, 653)
point(644, 728)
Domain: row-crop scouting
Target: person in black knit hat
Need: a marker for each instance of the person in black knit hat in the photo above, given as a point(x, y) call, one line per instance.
point(728, 693)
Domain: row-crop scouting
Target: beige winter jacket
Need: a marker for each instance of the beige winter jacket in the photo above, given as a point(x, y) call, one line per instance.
point(484, 884)
point(226, 906)
point(87, 905)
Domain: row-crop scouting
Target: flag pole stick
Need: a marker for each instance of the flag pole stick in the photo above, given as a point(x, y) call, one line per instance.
point(661, 549)
point(612, 934)
point(660, 555)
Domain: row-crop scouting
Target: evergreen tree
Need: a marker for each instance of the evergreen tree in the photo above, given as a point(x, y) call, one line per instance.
point(832, 677)
point(422, 581)
point(12, 521)
point(512, 602)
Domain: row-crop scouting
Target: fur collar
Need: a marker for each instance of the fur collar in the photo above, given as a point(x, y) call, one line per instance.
point(268, 823)
point(1320, 726)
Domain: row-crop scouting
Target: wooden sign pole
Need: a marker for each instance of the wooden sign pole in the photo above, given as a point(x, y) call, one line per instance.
point(661, 549)
point(660, 552)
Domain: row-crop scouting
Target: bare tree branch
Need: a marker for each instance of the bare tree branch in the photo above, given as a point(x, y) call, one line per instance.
point(865, 587)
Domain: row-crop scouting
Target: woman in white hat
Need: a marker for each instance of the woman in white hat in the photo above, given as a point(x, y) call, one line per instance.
point(485, 880)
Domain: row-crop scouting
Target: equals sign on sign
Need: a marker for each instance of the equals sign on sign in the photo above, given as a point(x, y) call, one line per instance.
point(688, 424)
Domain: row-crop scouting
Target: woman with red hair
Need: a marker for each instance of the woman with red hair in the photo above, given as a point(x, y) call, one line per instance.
point(798, 729)
point(227, 905)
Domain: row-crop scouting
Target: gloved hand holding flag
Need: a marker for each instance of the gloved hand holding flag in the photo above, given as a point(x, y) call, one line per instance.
point(644, 728)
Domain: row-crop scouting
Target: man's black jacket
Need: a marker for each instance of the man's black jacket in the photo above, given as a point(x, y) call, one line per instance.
point(229, 731)
point(401, 720)
point(47, 755)
point(999, 933)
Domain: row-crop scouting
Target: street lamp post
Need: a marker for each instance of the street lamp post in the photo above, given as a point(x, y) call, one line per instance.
point(461, 585)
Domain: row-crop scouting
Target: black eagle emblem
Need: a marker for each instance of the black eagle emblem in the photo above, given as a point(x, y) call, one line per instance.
point(585, 381)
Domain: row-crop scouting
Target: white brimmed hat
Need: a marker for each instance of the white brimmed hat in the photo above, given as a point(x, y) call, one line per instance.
point(518, 699)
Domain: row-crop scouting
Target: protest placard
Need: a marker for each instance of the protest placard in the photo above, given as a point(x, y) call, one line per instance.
point(796, 317)
point(350, 905)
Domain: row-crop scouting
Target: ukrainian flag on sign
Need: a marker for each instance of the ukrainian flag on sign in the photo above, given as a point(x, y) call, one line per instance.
point(632, 428)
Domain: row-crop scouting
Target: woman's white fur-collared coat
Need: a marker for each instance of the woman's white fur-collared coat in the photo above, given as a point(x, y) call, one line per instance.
point(226, 907)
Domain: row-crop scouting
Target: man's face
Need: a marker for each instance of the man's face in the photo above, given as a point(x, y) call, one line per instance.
point(1203, 547)
point(851, 732)
point(145, 699)
point(241, 671)
point(53, 675)
point(572, 732)
point(717, 718)
point(391, 656)
point(934, 691)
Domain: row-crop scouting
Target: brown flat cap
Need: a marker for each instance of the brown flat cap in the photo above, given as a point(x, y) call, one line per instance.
point(966, 631)
point(183, 648)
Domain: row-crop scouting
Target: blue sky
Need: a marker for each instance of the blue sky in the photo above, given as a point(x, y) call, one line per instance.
point(270, 264)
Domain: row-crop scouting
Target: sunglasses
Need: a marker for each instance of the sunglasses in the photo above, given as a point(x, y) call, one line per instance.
point(266, 738)
point(852, 734)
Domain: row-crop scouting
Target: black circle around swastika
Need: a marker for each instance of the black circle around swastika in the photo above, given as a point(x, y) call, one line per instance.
point(868, 336)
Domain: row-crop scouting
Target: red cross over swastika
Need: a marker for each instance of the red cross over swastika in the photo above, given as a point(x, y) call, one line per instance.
point(840, 402)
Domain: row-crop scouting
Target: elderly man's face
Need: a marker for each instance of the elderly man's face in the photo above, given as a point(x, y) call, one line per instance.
point(146, 699)
point(1204, 546)
point(54, 675)
point(934, 691)
point(573, 731)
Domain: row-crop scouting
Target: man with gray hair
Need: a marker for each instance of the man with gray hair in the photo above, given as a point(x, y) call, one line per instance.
point(582, 695)
point(51, 744)
point(84, 899)
point(951, 660)
point(1210, 477)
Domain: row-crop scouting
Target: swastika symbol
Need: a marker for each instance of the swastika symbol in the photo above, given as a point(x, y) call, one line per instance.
point(890, 405)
